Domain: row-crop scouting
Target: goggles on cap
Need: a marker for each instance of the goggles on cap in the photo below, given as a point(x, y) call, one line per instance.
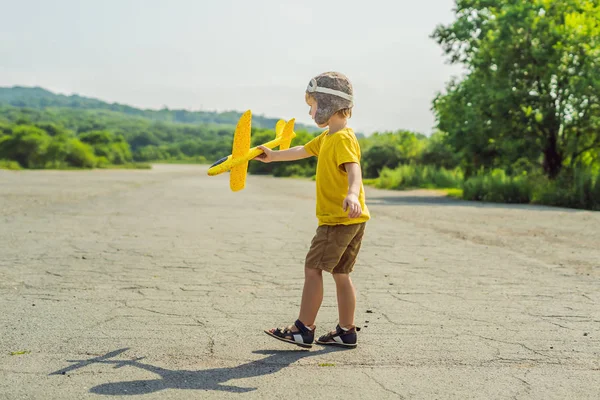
point(313, 87)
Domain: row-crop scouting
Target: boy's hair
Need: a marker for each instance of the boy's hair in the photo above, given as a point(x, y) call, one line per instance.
point(333, 93)
point(344, 113)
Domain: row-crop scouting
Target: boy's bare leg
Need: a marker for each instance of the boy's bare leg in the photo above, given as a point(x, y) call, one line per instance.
point(312, 296)
point(346, 297)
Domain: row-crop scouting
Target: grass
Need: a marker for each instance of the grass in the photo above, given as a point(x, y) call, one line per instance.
point(419, 176)
point(134, 165)
point(452, 192)
point(199, 161)
point(10, 165)
point(13, 165)
point(20, 353)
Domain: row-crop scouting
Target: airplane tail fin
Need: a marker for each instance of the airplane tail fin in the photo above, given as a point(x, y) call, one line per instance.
point(241, 146)
point(287, 134)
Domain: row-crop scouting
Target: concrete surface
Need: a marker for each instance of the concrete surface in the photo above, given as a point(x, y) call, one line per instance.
point(158, 284)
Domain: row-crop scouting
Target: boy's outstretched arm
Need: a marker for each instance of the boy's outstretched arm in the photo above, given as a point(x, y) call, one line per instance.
point(351, 202)
point(295, 153)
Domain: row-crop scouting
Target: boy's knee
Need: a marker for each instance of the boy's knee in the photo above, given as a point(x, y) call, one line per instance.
point(312, 272)
point(340, 278)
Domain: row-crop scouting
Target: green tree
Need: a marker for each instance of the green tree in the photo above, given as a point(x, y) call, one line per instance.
point(81, 155)
point(27, 146)
point(105, 144)
point(532, 87)
point(388, 150)
point(305, 167)
point(58, 151)
point(438, 152)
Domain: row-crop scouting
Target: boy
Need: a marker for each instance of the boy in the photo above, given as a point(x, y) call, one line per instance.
point(341, 211)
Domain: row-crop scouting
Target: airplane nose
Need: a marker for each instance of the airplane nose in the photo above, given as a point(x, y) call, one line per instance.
point(221, 161)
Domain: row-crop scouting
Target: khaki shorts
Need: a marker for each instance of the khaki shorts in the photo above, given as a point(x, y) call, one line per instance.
point(335, 247)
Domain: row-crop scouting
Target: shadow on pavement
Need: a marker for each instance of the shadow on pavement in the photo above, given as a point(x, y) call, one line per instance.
point(209, 379)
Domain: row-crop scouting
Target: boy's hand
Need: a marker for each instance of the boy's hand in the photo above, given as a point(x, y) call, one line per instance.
point(352, 205)
point(265, 157)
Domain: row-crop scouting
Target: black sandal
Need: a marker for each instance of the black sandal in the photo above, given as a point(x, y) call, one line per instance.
point(341, 337)
point(303, 338)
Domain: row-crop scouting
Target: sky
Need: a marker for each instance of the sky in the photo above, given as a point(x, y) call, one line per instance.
point(238, 55)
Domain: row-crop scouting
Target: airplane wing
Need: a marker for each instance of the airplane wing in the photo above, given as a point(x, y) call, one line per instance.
point(84, 363)
point(279, 128)
point(241, 147)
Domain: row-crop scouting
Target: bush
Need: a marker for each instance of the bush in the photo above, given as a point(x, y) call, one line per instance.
point(81, 155)
point(497, 187)
point(105, 144)
point(102, 162)
point(295, 169)
point(573, 189)
point(596, 193)
point(9, 164)
point(58, 151)
point(27, 146)
point(418, 176)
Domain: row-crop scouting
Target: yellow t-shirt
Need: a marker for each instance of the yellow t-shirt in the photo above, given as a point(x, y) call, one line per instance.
point(332, 180)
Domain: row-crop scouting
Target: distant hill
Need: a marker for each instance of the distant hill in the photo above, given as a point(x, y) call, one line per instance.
point(39, 121)
point(40, 98)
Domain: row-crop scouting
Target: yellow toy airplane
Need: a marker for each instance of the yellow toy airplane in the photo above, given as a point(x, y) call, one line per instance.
point(237, 162)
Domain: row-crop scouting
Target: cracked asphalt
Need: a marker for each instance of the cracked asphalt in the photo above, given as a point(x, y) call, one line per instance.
point(158, 285)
